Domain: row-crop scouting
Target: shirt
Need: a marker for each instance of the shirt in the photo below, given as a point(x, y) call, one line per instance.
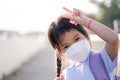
point(81, 71)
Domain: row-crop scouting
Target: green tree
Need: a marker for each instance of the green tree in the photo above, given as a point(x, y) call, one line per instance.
point(108, 12)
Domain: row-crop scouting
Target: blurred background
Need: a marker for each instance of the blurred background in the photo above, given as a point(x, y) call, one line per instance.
point(25, 52)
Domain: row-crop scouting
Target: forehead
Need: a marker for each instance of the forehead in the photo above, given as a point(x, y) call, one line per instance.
point(70, 34)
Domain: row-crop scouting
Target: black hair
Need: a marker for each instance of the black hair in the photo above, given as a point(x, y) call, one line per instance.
point(55, 32)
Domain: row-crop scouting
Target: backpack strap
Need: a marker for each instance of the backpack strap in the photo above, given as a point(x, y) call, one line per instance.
point(97, 67)
point(117, 77)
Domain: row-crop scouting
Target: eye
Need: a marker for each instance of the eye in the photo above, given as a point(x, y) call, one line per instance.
point(77, 39)
point(65, 47)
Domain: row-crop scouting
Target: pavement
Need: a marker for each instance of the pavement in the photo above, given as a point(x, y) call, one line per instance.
point(39, 67)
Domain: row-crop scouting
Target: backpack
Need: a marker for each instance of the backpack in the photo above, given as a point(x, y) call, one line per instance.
point(98, 68)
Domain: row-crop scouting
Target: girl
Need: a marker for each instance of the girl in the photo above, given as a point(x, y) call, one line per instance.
point(69, 38)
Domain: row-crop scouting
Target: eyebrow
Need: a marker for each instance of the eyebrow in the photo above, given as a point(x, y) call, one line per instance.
point(63, 44)
point(75, 36)
point(73, 39)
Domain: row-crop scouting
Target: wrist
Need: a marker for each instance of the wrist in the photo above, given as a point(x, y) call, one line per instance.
point(85, 21)
point(88, 22)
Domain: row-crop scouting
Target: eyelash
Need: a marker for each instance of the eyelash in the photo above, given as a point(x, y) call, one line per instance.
point(66, 47)
point(77, 39)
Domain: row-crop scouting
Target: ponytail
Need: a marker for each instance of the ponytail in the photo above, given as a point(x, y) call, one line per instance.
point(58, 66)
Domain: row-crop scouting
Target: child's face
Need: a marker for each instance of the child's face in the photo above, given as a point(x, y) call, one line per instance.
point(69, 38)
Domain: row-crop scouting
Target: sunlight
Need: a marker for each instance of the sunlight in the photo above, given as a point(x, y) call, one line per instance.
point(28, 15)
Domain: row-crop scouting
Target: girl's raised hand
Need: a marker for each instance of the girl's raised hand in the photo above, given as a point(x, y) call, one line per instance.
point(76, 16)
point(60, 78)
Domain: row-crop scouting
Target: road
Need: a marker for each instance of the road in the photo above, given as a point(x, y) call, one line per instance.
point(40, 67)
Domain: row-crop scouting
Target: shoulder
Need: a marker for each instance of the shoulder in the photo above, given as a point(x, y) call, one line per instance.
point(110, 65)
point(77, 67)
point(78, 71)
point(71, 72)
point(72, 68)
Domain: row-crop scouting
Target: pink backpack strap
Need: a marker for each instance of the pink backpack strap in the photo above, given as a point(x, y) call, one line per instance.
point(97, 67)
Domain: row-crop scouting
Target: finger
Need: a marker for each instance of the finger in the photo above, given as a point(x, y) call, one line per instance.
point(80, 12)
point(66, 16)
point(73, 22)
point(66, 9)
point(76, 11)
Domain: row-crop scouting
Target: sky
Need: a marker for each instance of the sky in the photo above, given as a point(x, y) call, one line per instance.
point(36, 15)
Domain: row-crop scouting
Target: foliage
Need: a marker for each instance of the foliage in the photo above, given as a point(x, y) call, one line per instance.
point(108, 12)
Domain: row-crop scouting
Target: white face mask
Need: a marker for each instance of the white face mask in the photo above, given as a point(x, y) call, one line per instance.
point(78, 51)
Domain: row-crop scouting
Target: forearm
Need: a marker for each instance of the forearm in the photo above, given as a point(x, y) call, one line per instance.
point(108, 35)
point(102, 31)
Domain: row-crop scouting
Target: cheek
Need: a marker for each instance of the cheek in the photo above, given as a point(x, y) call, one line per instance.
point(58, 53)
point(63, 51)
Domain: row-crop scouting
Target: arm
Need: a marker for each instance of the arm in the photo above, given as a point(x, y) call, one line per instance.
point(111, 38)
point(108, 35)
